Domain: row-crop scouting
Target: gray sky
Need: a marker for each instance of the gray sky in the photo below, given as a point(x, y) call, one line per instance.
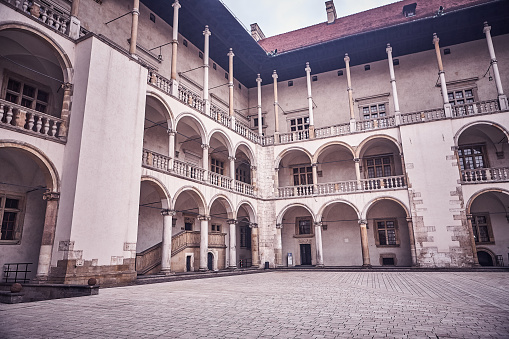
point(280, 16)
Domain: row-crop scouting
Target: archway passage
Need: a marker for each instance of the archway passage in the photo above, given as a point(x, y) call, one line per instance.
point(219, 232)
point(485, 258)
point(295, 174)
point(298, 237)
point(191, 150)
point(155, 137)
point(336, 170)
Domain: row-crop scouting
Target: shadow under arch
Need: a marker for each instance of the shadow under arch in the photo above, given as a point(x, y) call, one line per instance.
point(160, 189)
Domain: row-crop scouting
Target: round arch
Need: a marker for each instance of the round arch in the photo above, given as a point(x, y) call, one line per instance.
point(168, 112)
point(332, 143)
point(288, 150)
point(62, 57)
point(364, 142)
point(250, 210)
point(479, 122)
point(342, 201)
point(223, 199)
point(485, 190)
point(279, 218)
point(160, 189)
point(196, 194)
point(199, 124)
point(228, 141)
point(47, 167)
point(375, 200)
point(250, 150)
point(490, 253)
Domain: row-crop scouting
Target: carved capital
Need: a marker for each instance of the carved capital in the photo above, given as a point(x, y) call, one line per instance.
point(231, 158)
point(230, 53)
point(346, 58)
point(253, 168)
point(363, 222)
point(388, 49)
point(231, 221)
point(202, 217)
point(258, 79)
point(67, 86)
point(357, 160)
point(318, 224)
point(171, 132)
point(50, 196)
point(486, 27)
point(409, 219)
point(279, 226)
point(176, 4)
point(315, 164)
point(206, 32)
point(435, 39)
point(274, 75)
point(165, 212)
point(307, 69)
point(205, 146)
point(253, 225)
point(470, 217)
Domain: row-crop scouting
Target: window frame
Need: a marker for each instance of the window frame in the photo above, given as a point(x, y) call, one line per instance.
point(476, 230)
point(382, 156)
point(24, 81)
point(369, 113)
point(385, 229)
point(19, 223)
point(298, 228)
point(462, 156)
point(308, 174)
point(295, 127)
point(217, 166)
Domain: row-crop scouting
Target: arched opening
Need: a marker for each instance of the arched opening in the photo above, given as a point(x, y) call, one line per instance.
point(298, 236)
point(189, 148)
point(341, 235)
point(220, 167)
point(295, 174)
point(388, 234)
point(336, 170)
point(219, 231)
point(155, 136)
point(485, 258)
point(243, 161)
point(247, 237)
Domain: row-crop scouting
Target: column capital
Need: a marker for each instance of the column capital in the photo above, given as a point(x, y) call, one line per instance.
point(470, 217)
point(276, 169)
point(486, 27)
point(363, 222)
point(231, 158)
point(388, 49)
point(274, 75)
point(67, 86)
point(409, 219)
point(279, 226)
point(203, 217)
point(230, 53)
point(314, 164)
point(176, 4)
point(435, 38)
point(165, 212)
point(307, 69)
point(357, 160)
point(258, 79)
point(253, 225)
point(253, 168)
point(231, 221)
point(205, 146)
point(206, 32)
point(171, 132)
point(318, 224)
point(346, 58)
point(50, 196)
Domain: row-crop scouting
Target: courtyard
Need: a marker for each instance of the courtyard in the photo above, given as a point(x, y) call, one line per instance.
point(293, 304)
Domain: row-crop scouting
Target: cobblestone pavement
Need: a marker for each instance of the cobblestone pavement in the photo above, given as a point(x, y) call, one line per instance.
point(293, 304)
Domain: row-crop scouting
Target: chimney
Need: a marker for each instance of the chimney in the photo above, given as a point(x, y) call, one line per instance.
point(256, 32)
point(331, 11)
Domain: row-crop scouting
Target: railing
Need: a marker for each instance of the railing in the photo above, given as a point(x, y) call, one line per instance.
point(488, 106)
point(184, 240)
point(246, 132)
point(242, 187)
point(46, 11)
point(422, 116)
point(12, 270)
point(190, 98)
point(29, 120)
point(268, 140)
point(337, 187)
point(220, 115)
point(245, 263)
point(187, 170)
point(295, 191)
point(365, 125)
point(159, 81)
point(155, 160)
point(220, 180)
point(330, 131)
point(481, 175)
point(149, 258)
point(217, 240)
point(483, 107)
point(293, 136)
point(383, 183)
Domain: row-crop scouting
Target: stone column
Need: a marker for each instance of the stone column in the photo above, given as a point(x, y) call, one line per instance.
point(206, 100)
point(174, 44)
point(363, 223)
point(74, 24)
point(253, 176)
point(66, 111)
point(230, 86)
point(319, 246)
point(134, 27)
point(255, 251)
point(48, 234)
point(310, 102)
point(411, 238)
point(204, 241)
point(314, 169)
point(276, 181)
point(232, 168)
point(233, 243)
point(259, 106)
point(358, 173)
point(472, 239)
point(502, 98)
point(278, 246)
point(276, 110)
point(353, 125)
point(166, 247)
point(393, 83)
point(171, 147)
point(441, 73)
point(205, 161)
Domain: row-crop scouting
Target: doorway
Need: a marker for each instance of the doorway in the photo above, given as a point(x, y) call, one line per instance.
point(305, 254)
point(210, 261)
point(188, 263)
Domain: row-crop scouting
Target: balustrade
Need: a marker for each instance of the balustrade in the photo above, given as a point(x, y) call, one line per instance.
point(337, 187)
point(220, 115)
point(244, 188)
point(330, 131)
point(190, 98)
point(246, 132)
point(481, 175)
point(48, 12)
point(293, 136)
point(422, 116)
point(370, 124)
point(217, 239)
point(183, 240)
point(156, 160)
point(295, 191)
point(187, 170)
point(159, 81)
point(489, 106)
point(383, 183)
point(220, 180)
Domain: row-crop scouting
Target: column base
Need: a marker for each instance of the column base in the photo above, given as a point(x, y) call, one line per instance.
point(367, 266)
point(166, 272)
point(232, 267)
point(502, 102)
point(448, 110)
point(353, 125)
point(203, 269)
point(320, 266)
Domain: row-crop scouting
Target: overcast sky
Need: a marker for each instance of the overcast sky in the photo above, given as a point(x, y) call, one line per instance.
point(280, 16)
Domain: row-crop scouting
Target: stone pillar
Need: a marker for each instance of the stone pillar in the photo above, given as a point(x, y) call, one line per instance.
point(48, 234)
point(74, 24)
point(232, 168)
point(276, 110)
point(502, 98)
point(255, 250)
point(259, 106)
point(314, 169)
point(319, 246)
point(276, 181)
point(171, 147)
point(233, 243)
point(472, 239)
point(278, 246)
point(393, 83)
point(253, 176)
point(358, 173)
point(174, 44)
point(66, 111)
point(206, 99)
point(204, 241)
point(310, 102)
point(205, 161)
point(166, 247)
point(134, 27)
point(441, 73)
point(411, 238)
point(230, 86)
point(363, 223)
point(353, 125)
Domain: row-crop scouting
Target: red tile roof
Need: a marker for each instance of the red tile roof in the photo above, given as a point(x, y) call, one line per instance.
point(366, 21)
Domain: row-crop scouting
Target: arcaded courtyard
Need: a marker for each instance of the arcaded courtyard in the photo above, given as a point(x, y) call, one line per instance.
point(296, 304)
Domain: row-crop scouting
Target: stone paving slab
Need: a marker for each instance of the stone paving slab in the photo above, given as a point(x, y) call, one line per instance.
point(293, 304)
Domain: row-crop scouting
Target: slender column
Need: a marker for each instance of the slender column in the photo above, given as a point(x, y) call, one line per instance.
point(502, 98)
point(353, 125)
point(171, 147)
point(174, 44)
point(134, 27)
point(276, 109)
point(411, 238)
point(166, 248)
point(364, 243)
point(276, 181)
point(74, 24)
point(314, 169)
point(319, 246)
point(393, 83)
point(310, 102)
point(255, 251)
point(259, 106)
point(253, 176)
point(206, 100)
point(233, 243)
point(441, 73)
point(205, 160)
point(358, 173)
point(48, 234)
point(232, 167)
point(66, 111)
point(230, 85)
point(278, 246)
point(204, 240)
point(472, 239)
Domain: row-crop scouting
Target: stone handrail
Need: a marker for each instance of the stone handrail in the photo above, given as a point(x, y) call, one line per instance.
point(336, 187)
point(397, 181)
point(267, 140)
point(384, 122)
point(48, 12)
point(242, 187)
point(293, 136)
point(220, 180)
point(155, 160)
point(481, 175)
point(220, 115)
point(422, 116)
point(246, 132)
point(187, 170)
point(482, 107)
point(149, 258)
point(159, 81)
point(35, 122)
point(330, 131)
point(217, 240)
point(488, 106)
point(295, 191)
point(183, 240)
point(190, 98)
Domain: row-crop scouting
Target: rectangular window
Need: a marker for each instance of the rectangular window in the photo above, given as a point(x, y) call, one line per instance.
point(27, 95)
point(303, 225)
point(11, 213)
point(216, 166)
point(374, 111)
point(255, 121)
point(242, 175)
point(386, 232)
point(472, 157)
point(216, 228)
point(245, 237)
point(377, 167)
point(481, 227)
point(299, 124)
point(302, 175)
point(461, 97)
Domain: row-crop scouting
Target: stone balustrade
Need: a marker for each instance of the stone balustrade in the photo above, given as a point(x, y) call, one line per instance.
point(187, 170)
point(155, 160)
point(383, 183)
point(293, 136)
point(482, 107)
point(337, 187)
point(157, 80)
point(331, 131)
point(183, 240)
point(267, 140)
point(220, 115)
point(190, 98)
point(34, 122)
point(384, 122)
point(220, 180)
point(217, 240)
point(48, 12)
point(295, 191)
point(482, 175)
point(246, 132)
point(244, 188)
point(422, 116)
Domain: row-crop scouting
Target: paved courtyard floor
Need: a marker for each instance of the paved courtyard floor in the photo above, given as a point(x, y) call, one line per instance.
point(319, 304)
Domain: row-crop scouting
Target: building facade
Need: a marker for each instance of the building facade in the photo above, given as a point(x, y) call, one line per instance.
point(142, 138)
